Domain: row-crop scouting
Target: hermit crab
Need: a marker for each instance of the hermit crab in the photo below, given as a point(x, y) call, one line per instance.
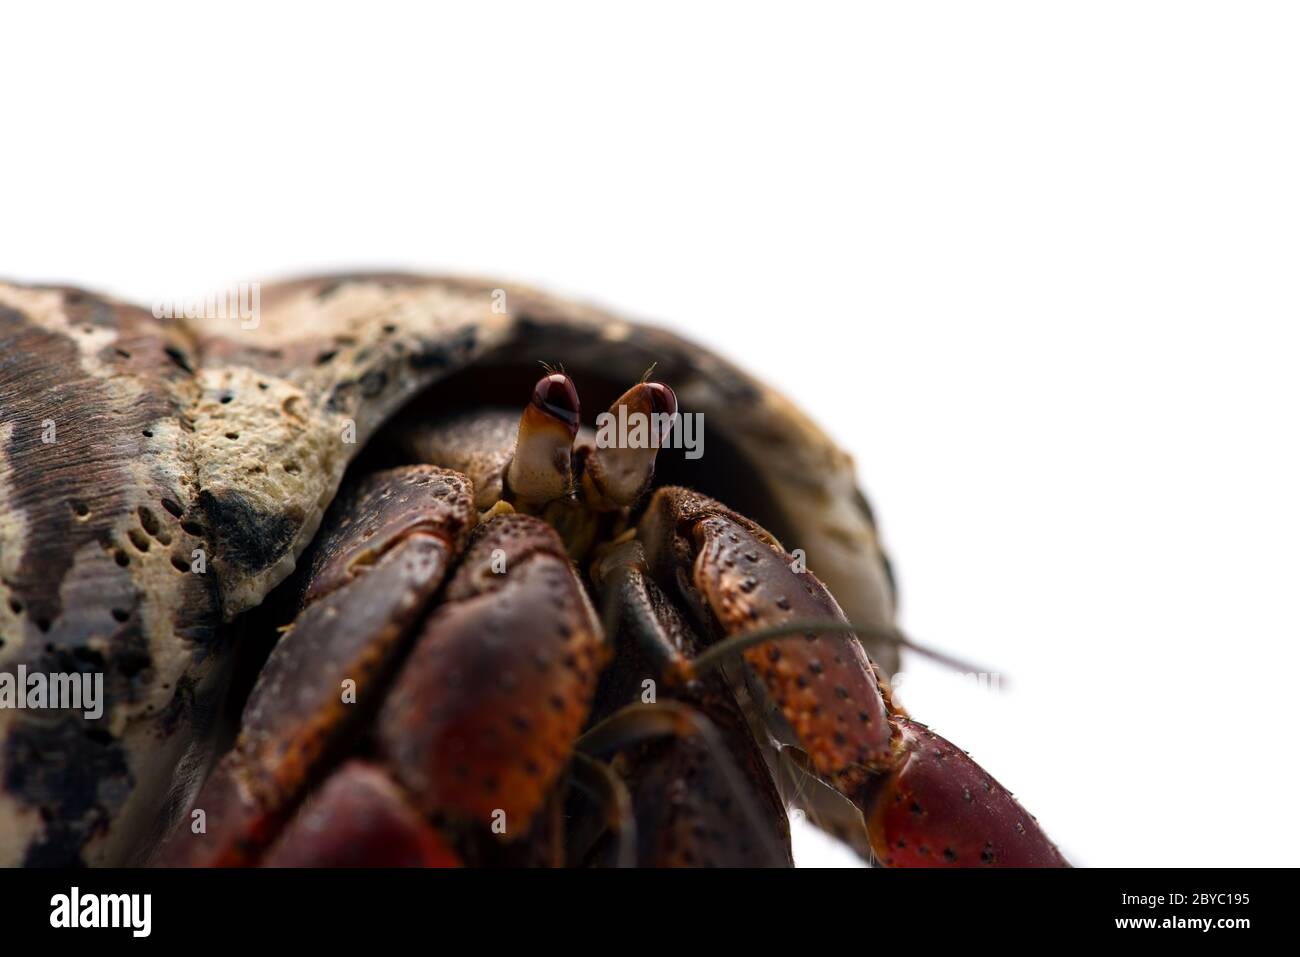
point(367, 586)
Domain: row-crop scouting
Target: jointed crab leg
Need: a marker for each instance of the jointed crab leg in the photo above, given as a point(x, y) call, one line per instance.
point(925, 802)
point(701, 807)
point(700, 787)
point(385, 550)
point(598, 780)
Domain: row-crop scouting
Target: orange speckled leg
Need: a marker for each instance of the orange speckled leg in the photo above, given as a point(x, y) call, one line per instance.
point(925, 802)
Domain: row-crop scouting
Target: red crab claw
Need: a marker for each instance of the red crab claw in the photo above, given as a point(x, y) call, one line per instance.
point(911, 785)
point(937, 807)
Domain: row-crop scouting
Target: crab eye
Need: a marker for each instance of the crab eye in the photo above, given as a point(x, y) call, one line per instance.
point(556, 396)
point(539, 470)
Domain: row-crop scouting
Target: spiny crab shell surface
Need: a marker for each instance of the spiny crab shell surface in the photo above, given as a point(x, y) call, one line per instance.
point(133, 447)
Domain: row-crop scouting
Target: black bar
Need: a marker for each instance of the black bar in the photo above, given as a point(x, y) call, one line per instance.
point(591, 910)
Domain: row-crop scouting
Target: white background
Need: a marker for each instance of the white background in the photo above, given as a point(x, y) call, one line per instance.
point(1034, 264)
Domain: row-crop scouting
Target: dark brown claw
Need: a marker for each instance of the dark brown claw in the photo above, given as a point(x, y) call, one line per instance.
point(358, 818)
point(367, 586)
point(382, 511)
point(394, 539)
point(482, 719)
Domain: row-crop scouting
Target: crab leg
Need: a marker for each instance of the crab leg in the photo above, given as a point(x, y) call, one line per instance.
point(385, 550)
point(924, 801)
point(699, 808)
point(694, 747)
point(599, 782)
point(477, 443)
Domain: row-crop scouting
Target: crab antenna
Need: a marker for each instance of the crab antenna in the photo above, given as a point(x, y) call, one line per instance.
point(628, 438)
point(717, 654)
point(540, 470)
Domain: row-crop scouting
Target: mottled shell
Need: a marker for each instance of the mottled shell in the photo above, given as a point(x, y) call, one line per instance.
point(128, 442)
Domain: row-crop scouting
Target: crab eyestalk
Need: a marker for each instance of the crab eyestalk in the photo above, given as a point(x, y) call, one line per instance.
point(628, 438)
point(541, 470)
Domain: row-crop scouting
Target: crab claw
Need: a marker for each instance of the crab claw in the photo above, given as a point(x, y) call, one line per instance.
point(619, 468)
point(359, 818)
point(939, 808)
point(924, 801)
point(540, 470)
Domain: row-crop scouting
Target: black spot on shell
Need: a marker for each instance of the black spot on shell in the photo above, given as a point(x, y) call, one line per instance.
point(148, 521)
point(78, 795)
point(433, 357)
point(179, 358)
point(440, 355)
point(250, 538)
